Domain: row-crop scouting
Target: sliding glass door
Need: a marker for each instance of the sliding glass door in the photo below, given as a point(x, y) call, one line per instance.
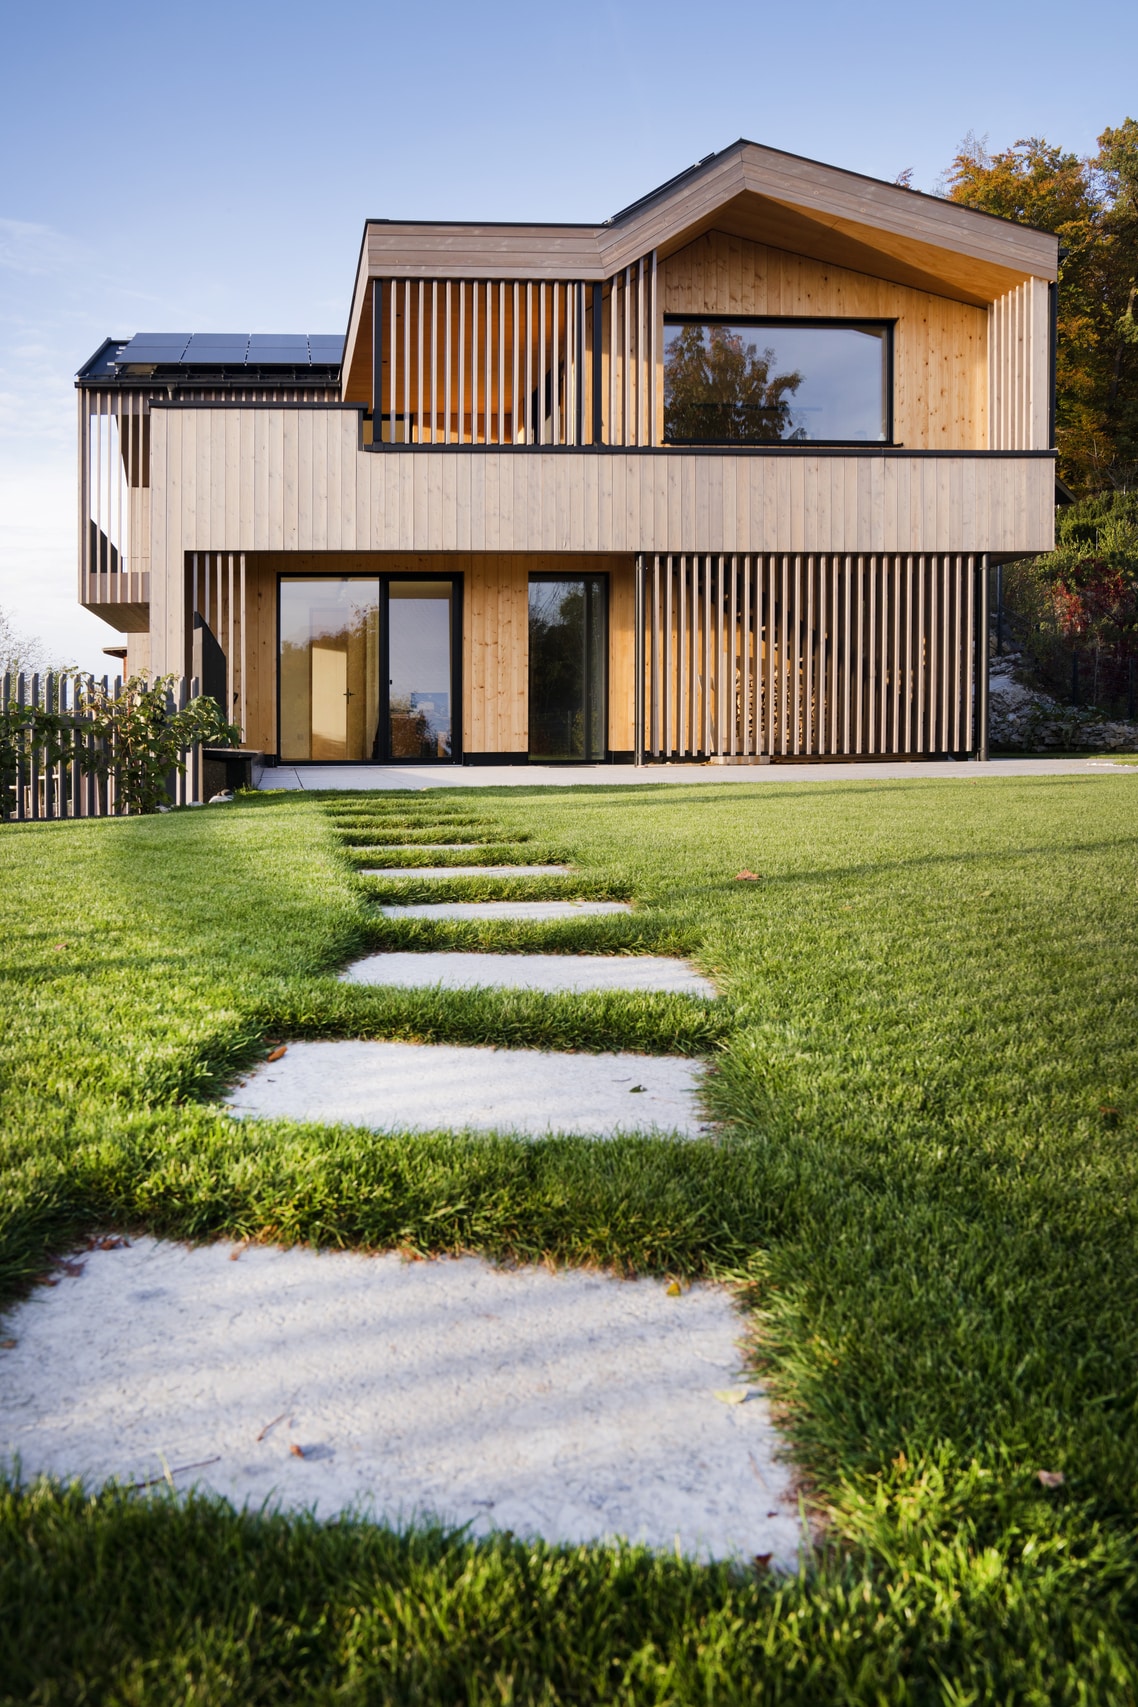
point(368, 668)
point(568, 676)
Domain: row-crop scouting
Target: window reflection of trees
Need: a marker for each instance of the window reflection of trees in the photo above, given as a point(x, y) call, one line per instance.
point(719, 389)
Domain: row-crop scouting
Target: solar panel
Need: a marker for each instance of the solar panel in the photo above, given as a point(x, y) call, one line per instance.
point(278, 347)
point(217, 349)
point(154, 347)
point(325, 349)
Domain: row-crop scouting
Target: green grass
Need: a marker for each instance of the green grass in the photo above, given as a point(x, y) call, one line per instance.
point(927, 1180)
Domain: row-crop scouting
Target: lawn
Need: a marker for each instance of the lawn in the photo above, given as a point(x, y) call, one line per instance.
point(927, 1178)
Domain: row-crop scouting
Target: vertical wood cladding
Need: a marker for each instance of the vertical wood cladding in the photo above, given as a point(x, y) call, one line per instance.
point(940, 350)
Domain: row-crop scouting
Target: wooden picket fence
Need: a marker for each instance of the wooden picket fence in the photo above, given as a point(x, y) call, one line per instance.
point(69, 788)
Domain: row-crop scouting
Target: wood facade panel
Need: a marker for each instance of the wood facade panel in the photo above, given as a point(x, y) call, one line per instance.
point(941, 346)
point(529, 501)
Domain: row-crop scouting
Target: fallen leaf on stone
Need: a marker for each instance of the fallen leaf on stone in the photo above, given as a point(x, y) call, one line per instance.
point(277, 1053)
point(674, 1290)
point(636, 1088)
point(748, 877)
point(297, 1451)
point(1051, 1478)
point(732, 1395)
point(762, 1562)
point(7, 1345)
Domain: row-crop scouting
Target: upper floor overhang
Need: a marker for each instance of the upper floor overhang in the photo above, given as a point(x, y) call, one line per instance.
point(762, 194)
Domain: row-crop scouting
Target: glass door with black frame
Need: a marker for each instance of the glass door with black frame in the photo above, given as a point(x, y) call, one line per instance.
point(420, 627)
point(568, 652)
point(329, 669)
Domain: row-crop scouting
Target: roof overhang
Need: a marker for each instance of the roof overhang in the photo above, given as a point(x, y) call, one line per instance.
point(780, 200)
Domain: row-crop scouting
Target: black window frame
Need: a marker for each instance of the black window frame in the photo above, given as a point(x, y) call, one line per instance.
point(846, 323)
point(567, 575)
point(456, 579)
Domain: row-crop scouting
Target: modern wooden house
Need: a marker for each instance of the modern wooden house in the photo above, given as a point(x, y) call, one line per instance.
point(719, 478)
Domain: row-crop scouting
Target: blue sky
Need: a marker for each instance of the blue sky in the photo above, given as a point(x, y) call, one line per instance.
point(209, 167)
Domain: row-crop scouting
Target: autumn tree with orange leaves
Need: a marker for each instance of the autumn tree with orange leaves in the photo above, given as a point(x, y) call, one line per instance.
point(1092, 207)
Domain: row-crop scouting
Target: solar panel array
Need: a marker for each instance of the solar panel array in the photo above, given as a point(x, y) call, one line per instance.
point(231, 349)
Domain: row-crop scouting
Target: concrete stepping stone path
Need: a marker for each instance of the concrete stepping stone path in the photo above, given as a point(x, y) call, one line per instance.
point(551, 973)
point(437, 1087)
point(438, 872)
point(567, 1406)
point(500, 909)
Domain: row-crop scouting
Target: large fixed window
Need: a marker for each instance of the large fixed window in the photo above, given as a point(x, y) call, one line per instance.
point(568, 653)
point(757, 382)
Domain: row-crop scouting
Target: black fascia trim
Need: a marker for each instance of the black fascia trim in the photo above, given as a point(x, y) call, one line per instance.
point(817, 447)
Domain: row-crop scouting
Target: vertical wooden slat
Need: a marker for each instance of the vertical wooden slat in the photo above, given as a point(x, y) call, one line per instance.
point(946, 641)
point(447, 358)
point(667, 693)
point(231, 654)
point(501, 361)
point(407, 361)
point(420, 411)
point(614, 366)
point(529, 363)
point(626, 401)
point(474, 367)
point(392, 356)
point(769, 646)
point(434, 359)
point(654, 678)
point(653, 357)
point(555, 362)
point(462, 364)
point(516, 349)
point(541, 363)
point(683, 674)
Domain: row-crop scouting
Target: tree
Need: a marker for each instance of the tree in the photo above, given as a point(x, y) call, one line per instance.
point(719, 390)
point(19, 652)
point(1092, 207)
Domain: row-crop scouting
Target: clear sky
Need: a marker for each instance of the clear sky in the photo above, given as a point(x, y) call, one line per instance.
point(208, 167)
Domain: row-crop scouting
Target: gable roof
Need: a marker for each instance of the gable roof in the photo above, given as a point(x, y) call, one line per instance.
point(747, 190)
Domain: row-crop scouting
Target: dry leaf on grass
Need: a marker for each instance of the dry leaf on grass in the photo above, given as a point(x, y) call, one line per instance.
point(1050, 1478)
point(748, 877)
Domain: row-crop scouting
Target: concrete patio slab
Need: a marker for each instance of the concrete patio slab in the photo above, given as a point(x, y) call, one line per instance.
point(502, 909)
point(550, 973)
point(438, 1087)
point(441, 871)
point(569, 1406)
point(380, 777)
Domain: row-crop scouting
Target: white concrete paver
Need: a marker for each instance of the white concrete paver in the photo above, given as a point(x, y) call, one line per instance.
point(569, 1406)
point(501, 909)
point(440, 871)
point(547, 972)
point(417, 778)
point(433, 1087)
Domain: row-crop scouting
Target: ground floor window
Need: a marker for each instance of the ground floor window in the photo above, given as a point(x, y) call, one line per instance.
point(568, 676)
point(368, 668)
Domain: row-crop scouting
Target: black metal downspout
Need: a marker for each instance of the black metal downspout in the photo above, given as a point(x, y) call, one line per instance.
point(982, 659)
point(638, 666)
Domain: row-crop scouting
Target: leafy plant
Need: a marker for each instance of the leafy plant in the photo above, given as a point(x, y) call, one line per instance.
point(141, 736)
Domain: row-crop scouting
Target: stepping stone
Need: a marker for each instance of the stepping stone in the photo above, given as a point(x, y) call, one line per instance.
point(548, 972)
point(439, 871)
point(501, 909)
point(569, 1406)
point(441, 1087)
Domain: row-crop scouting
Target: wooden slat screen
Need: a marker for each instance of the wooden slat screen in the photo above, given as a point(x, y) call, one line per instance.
point(517, 362)
point(217, 595)
point(808, 655)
